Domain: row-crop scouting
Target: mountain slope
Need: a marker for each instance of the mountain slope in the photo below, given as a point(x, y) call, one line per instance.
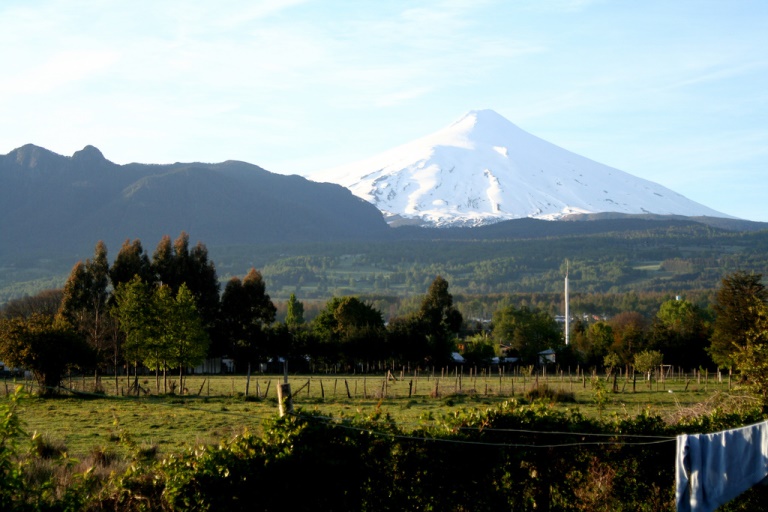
point(484, 169)
point(50, 202)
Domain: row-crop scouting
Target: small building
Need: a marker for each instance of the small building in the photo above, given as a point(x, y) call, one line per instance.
point(547, 356)
point(215, 366)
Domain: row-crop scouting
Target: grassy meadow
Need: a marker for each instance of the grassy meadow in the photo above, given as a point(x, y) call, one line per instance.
point(216, 407)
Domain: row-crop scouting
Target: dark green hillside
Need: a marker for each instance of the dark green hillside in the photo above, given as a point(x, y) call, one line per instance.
point(527, 256)
point(638, 255)
point(51, 203)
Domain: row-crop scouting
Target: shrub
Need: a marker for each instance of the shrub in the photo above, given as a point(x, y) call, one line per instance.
point(546, 393)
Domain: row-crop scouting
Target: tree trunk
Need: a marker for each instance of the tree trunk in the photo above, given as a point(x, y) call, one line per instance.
point(248, 380)
point(136, 377)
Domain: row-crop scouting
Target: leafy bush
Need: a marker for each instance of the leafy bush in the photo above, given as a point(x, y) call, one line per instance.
point(546, 393)
point(508, 457)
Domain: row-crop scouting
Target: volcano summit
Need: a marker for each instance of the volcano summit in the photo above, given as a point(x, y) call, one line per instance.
point(483, 169)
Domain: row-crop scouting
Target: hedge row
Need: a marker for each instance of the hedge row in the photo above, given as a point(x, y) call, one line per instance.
point(511, 457)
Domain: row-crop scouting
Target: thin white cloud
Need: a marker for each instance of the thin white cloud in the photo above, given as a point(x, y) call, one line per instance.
point(399, 97)
point(61, 69)
point(719, 72)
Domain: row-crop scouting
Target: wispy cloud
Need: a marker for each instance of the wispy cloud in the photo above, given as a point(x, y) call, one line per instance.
point(61, 69)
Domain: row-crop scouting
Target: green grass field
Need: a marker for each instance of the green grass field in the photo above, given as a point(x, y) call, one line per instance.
point(215, 407)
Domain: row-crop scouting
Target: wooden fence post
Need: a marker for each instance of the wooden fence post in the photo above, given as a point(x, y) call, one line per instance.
point(284, 399)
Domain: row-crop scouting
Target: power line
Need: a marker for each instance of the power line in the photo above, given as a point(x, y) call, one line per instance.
point(493, 444)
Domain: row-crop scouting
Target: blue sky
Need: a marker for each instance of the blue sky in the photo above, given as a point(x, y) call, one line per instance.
point(672, 91)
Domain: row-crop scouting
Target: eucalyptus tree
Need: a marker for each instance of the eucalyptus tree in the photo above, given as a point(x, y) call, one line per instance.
point(246, 313)
point(84, 303)
point(440, 320)
point(131, 260)
point(174, 264)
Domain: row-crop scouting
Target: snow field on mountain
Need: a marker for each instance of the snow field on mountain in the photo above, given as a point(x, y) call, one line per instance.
point(484, 169)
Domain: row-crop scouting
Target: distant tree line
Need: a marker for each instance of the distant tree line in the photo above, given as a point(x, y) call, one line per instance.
point(641, 256)
point(651, 260)
point(167, 313)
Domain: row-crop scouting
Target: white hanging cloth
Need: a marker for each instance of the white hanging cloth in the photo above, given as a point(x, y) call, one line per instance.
point(713, 469)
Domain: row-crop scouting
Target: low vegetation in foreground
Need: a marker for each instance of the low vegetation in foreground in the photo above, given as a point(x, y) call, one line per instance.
point(558, 442)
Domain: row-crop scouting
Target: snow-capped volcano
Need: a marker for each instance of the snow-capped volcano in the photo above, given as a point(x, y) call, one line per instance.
point(484, 169)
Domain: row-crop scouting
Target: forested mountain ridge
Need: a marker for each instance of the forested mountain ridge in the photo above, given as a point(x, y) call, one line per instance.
point(662, 256)
point(318, 240)
point(51, 203)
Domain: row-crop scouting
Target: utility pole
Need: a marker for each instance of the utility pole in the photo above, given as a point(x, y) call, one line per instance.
point(284, 398)
point(567, 311)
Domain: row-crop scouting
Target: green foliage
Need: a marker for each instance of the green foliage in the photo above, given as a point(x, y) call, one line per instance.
point(630, 332)
point(22, 486)
point(607, 257)
point(12, 484)
point(526, 331)
point(479, 349)
point(84, 302)
point(594, 343)
point(681, 330)
point(45, 346)
point(350, 330)
point(437, 309)
point(647, 360)
point(179, 265)
point(752, 359)
point(161, 330)
point(246, 312)
point(535, 457)
point(600, 394)
point(131, 261)
point(738, 299)
point(295, 314)
point(611, 360)
point(182, 335)
point(137, 317)
point(407, 340)
point(370, 464)
point(440, 320)
point(549, 395)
